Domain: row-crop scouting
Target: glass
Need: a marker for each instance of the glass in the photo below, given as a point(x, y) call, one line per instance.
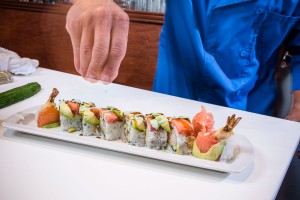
point(143, 5)
point(122, 3)
point(5, 77)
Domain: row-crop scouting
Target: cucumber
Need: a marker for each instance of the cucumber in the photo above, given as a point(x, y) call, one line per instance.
point(17, 94)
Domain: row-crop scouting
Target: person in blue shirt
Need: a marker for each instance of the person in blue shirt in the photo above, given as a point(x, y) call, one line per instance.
point(220, 52)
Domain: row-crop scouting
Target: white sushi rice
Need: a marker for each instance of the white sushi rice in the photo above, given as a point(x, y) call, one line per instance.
point(112, 131)
point(123, 136)
point(156, 139)
point(89, 130)
point(172, 141)
point(136, 137)
point(231, 150)
point(179, 142)
point(66, 123)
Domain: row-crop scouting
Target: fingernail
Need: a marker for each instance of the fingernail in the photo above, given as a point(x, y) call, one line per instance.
point(91, 78)
point(105, 79)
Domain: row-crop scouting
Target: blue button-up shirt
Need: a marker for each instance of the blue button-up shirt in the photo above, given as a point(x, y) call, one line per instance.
point(224, 52)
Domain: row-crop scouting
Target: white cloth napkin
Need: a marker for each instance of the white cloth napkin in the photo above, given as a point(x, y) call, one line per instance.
point(12, 62)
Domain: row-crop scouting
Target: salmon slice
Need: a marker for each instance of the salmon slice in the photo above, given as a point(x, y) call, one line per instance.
point(49, 114)
point(204, 142)
point(74, 106)
point(96, 111)
point(184, 126)
point(109, 116)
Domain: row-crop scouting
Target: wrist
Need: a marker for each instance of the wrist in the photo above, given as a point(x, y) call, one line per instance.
point(296, 99)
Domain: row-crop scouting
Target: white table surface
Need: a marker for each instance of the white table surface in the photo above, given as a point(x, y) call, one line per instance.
point(36, 168)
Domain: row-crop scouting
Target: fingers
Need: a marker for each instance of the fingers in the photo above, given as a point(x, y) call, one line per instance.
point(119, 38)
point(86, 47)
point(293, 115)
point(74, 30)
point(100, 47)
point(99, 39)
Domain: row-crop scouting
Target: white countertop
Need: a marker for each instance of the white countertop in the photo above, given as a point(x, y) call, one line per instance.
point(35, 168)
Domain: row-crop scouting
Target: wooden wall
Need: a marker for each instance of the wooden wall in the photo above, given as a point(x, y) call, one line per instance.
point(38, 31)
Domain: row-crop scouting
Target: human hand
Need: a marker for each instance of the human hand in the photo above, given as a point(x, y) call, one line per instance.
point(294, 113)
point(99, 34)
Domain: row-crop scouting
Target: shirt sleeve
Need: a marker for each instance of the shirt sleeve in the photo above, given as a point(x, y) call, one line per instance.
point(294, 50)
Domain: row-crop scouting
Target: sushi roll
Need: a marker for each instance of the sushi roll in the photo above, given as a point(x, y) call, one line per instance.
point(210, 145)
point(158, 127)
point(207, 147)
point(135, 128)
point(181, 138)
point(70, 118)
point(90, 119)
point(48, 116)
point(111, 123)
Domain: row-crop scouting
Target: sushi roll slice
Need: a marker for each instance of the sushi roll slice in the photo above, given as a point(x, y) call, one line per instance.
point(90, 119)
point(210, 145)
point(181, 138)
point(70, 118)
point(158, 127)
point(135, 128)
point(111, 123)
point(90, 122)
point(48, 116)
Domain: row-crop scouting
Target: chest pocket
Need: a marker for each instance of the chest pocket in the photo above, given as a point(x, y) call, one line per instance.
point(229, 34)
point(273, 30)
point(243, 33)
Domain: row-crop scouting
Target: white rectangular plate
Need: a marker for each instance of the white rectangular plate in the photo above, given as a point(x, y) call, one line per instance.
point(25, 121)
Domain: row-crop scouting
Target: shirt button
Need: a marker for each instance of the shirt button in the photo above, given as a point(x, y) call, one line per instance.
point(243, 54)
point(259, 11)
point(238, 93)
point(243, 74)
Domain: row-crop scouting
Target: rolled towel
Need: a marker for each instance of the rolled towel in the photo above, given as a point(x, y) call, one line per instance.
point(12, 62)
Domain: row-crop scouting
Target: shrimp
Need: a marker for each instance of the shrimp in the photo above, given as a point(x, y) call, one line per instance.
point(49, 114)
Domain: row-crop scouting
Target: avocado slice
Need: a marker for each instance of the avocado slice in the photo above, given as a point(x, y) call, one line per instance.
point(84, 106)
point(90, 118)
point(154, 124)
point(53, 125)
point(163, 122)
point(65, 110)
point(212, 154)
point(138, 125)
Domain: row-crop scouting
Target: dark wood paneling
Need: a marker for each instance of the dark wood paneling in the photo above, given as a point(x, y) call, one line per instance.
point(38, 31)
